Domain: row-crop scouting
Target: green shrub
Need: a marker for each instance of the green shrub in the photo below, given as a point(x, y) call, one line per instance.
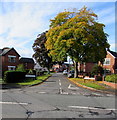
point(21, 68)
point(98, 78)
point(111, 78)
point(14, 76)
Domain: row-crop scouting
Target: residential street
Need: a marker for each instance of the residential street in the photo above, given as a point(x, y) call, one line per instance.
point(56, 98)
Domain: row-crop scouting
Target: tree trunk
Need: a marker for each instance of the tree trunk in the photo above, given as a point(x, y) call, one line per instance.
point(48, 70)
point(75, 69)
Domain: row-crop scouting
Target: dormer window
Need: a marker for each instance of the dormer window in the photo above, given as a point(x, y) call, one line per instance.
point(11, 58)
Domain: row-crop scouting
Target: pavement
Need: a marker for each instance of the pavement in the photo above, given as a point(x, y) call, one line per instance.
point(108, 88)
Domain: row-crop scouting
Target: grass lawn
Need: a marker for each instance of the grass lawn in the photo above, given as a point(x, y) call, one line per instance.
point(31, 81)
point(88, 83)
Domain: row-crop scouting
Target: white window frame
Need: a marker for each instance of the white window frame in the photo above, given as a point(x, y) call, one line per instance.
point(9, 67)
point(107, 59)
point(11, 56)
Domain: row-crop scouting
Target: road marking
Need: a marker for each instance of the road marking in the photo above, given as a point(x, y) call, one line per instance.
point(14, 103)
point(65, 93)
point(42, 92)
point(60, 84)
point(60, 90)
point(95, 108)
point(69, 87)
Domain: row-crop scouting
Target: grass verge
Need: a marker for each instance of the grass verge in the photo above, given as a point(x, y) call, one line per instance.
point(31, 81)
point(88, 83)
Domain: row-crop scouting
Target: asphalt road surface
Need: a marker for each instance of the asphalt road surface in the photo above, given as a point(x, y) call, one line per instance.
point(56, 98)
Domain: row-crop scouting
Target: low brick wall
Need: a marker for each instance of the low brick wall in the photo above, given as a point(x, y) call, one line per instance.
point(113, 85)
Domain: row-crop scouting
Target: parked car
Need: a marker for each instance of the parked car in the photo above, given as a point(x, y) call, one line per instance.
point(65, 72)
point(71, 74)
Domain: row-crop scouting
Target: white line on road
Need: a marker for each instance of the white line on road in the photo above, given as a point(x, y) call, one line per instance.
point(96, 108)
point(65, 93)
point(42, 92)
point(60, 84)
point(60, 90)
point(14, 103)
point(69, 87)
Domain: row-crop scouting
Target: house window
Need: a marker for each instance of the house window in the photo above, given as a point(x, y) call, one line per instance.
point(108, 71)
point(11, 58)
point(107, 61)
point(11, 67)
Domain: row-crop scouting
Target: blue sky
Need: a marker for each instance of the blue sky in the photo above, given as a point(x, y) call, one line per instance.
point(21, 22)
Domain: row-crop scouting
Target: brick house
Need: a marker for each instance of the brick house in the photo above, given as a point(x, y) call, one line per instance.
point(27, 62)
point(86, 67)
point(10, 58)
point(110, 63)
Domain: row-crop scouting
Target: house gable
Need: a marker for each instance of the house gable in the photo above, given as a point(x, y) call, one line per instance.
point(6, 51)
point(110, 62)
point(113, 54)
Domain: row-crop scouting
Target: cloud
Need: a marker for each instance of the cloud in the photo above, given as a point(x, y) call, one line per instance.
point(20, 27)
point(107, 15)
point(113, 46)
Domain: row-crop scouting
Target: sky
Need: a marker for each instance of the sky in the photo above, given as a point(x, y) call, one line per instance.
point(21, 21)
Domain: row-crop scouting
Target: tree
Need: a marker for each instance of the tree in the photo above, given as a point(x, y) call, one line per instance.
point(97, 70)
point(78, 35)
point(41, 53)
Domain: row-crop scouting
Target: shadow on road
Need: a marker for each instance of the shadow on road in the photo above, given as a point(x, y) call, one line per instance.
point(10, 86)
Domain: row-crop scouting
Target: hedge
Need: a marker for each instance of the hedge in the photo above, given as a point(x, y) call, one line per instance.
point(111, 78)
point(14, 76)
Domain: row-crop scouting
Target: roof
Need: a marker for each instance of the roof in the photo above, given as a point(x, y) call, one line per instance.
point(114, 54)
point(26, 60)
point(6, 50)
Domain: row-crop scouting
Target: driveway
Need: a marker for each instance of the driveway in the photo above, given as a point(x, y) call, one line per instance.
point(57, 97)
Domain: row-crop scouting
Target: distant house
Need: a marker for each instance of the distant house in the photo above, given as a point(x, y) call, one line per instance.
point(86, 67)
point(39, 68)
point(27, 62)
point(10, 59)
point(110, 63)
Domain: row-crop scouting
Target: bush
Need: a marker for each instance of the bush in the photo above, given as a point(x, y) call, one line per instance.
point(14, 76)
point(96, 70)
point(20, 67)
point(98, 78)
point(111, 78)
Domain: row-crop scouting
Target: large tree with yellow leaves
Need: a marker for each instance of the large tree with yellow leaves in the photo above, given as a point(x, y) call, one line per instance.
point(78, 35)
